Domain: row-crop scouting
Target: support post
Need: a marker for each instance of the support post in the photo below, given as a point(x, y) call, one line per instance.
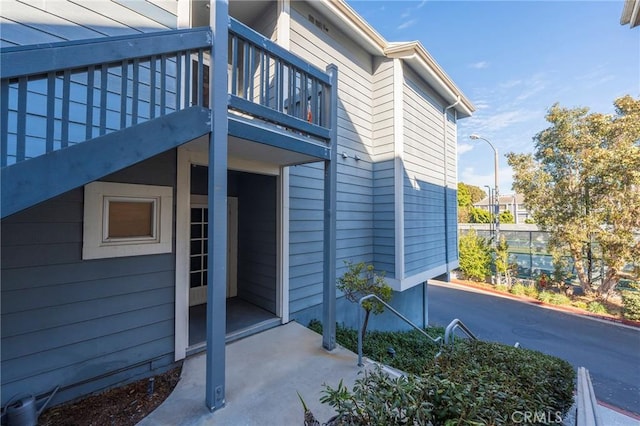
point(329, 240)
point(217, 202)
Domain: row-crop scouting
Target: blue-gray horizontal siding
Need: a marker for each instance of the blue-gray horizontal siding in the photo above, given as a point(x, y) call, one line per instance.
point(383, 168)
point(66, 321)
point(257, 247)
point(354, 215)
point(28, 22)
point(409, 302)
point(424, 180)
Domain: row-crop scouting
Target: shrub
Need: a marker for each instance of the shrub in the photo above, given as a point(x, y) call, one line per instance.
point(580, 304)
point(502, 287)
point(596, 308)
point(478, 215)
point(531, 291)
point(518, 289)
point(554, 298)
point(472, 383)
point(475, 256)
point(631, 302)
point(360, 280)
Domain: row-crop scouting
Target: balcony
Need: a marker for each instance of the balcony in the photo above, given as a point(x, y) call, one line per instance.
point(61, 95)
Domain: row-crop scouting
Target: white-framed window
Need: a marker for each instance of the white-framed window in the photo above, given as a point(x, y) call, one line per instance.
point(122, 219)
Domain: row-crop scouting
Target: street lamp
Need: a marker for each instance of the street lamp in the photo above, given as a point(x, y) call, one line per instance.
point(490, 208)
point(496, 195)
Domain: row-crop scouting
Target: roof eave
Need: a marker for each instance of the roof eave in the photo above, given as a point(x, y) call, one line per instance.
point(412, 52)
point(415, 54)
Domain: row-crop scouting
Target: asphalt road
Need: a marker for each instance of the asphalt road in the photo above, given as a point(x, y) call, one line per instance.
point(609, 351)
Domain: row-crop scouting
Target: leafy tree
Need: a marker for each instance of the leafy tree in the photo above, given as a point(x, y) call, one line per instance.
point(530, 221)
point(478, 215)
point(475, 256)
point(501, 260)
point(464, 196)
point(360, 280)
point(507, 217)
point(475, 192)
point(583, 186)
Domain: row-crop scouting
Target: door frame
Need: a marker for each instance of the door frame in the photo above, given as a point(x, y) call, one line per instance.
point(186, 158)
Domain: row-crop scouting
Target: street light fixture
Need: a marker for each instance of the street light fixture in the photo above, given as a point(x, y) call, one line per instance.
point(496, 193)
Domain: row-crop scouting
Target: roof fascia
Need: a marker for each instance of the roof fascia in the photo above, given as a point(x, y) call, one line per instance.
point(411, 52)
point(414, 53)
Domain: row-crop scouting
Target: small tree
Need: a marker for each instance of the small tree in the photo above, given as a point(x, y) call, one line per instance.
point(503, 267)
point(478, 215)
point(507, 217)
point(475, 256)
point(360, 280)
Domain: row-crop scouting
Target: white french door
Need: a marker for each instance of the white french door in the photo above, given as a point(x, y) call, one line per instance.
point(198, 249)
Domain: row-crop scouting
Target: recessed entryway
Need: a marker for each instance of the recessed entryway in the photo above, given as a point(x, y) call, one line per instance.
point(251, 257)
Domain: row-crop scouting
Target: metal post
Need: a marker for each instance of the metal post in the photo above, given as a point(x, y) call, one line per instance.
point(217, 203)
point(329, 244)
point(496, 191)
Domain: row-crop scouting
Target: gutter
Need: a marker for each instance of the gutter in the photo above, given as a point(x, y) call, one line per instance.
point(413, 52)
point(446, 183)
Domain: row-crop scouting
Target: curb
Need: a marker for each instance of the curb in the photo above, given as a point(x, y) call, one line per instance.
point(533, 301)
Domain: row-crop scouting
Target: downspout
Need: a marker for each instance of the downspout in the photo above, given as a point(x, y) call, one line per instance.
point(446, 185)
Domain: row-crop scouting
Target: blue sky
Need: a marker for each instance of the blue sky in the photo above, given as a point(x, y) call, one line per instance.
point(514, 60)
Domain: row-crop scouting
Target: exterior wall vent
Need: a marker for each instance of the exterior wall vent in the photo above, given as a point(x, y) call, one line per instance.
point(318, 23)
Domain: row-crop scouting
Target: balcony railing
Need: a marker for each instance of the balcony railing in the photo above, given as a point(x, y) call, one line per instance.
point(275, 85)
point(65, 93)
point(56, 95)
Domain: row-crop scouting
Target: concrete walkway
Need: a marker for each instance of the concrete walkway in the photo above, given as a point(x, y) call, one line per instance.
point(264, 372)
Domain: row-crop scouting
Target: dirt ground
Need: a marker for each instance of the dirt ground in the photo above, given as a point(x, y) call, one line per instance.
point(122, 406)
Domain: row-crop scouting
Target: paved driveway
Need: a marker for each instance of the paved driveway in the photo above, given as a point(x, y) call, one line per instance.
point(609, 351)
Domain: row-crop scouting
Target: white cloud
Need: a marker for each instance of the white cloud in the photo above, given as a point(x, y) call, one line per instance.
point(422, 3)
point(499, 121)
point(464, 147)
point(471, 176)
point(407, 24)
point(481, 105)
point(479, 65)
point(509, 84)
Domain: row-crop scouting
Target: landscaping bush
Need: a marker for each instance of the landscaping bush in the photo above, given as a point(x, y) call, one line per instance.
point(531, 291)
point(475, 256)
point(554, 298)
point(473, 383)
point(518, 289)
point(596, 308)
point(580, 304)
point(502, 287)
point(631, 302)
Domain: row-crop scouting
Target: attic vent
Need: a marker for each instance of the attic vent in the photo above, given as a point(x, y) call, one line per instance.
point(318, 23)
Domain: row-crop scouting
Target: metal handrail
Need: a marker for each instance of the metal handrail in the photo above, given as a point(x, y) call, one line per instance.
point(398, 314)
point(453, 325)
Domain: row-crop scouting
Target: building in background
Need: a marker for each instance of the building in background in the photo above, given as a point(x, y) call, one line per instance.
point(513, 203)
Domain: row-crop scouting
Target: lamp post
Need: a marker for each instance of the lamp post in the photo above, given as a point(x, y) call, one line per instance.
point(496, 193)
point(490, 208)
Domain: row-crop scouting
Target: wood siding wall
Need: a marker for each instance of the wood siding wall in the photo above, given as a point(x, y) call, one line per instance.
point(257, 239)
point(83, 325)
point(383, 168)
point(355, 185)
point(424, 180)
point(32, 22)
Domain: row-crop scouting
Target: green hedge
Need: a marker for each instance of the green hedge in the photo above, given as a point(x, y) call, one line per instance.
point(472, 383)
point(631, 302)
